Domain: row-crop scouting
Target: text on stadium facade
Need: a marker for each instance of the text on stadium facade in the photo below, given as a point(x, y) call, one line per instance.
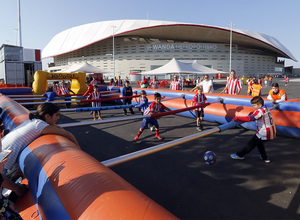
point(182, 47)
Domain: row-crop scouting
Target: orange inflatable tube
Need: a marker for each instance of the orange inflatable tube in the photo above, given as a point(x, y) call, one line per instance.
point(67, 183)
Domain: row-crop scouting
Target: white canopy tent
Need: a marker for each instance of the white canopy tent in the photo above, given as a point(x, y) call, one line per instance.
point(203, 69)
point(178, 67)
point(84, 67)
point(172, 67)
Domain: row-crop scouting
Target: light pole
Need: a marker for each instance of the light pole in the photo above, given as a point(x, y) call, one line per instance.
point(16, 30)
point(19, 28)
point(230, 50)
point(113, 27)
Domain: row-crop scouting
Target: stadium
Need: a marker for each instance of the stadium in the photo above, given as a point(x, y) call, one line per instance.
point(125, 46)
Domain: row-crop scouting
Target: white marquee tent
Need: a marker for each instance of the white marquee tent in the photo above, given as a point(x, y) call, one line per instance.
point(174, 66)
point(84, 67)
point(178, 67)
point(203, 69)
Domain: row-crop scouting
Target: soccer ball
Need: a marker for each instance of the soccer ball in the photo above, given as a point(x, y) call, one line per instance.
point(209, 157)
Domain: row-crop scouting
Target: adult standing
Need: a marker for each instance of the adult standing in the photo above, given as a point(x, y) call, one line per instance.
point(266, 80)
point(94, 82)
point(175, 84)
point(270, 80)
point(206, 84)
point(144, 82)
point(233, 85)
point(119, 81)
point(154, 83)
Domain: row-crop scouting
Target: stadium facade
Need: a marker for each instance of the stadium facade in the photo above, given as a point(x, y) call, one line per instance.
point(142, 45)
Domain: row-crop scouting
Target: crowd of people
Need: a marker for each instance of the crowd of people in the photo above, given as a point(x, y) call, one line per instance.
point(47, 114)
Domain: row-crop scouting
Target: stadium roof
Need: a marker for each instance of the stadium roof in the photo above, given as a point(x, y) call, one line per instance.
point(81, 36)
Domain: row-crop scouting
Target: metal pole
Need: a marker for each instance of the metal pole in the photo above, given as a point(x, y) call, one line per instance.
point(67, 125)
point(230, 51)
point(127, 157)
point(19, 24)
point(113, 27)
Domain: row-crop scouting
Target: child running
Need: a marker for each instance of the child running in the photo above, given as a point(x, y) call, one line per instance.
point(266, 130)
point(95, 95)
point(199, 98)
point(154, 107)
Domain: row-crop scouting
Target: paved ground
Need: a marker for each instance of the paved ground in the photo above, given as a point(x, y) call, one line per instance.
point(179, 180)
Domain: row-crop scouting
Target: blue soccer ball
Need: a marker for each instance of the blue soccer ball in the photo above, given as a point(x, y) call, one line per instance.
point(209, 157)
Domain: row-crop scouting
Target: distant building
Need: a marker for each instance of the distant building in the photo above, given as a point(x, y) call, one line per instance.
point(18, 65)
point(142, 45)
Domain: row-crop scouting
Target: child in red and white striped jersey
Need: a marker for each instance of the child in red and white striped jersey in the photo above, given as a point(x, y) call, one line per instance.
point(95, 95)
point(266, 129)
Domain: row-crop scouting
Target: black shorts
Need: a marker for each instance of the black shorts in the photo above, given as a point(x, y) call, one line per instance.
point(199, 113)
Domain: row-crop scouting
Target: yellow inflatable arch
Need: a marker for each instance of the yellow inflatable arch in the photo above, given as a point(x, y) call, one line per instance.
point(39, 85)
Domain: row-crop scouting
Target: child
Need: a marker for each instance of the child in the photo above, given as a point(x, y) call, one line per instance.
point(198, 99)
point(143, 102)
point(65, 91)
point(90, 88)
point(250, 83)
point(50, 95)
point(266, 129)
point(112, 82)
point(143, 105)
point(95, 95)
point(127, 91)
point(154, 107)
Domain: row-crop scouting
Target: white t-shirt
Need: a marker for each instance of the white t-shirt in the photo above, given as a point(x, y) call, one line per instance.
point(21, 137)
point(205, 85)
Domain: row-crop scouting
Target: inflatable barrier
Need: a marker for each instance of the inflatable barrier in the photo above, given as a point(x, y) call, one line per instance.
point(287, 119)
point(67, 183)
point(15, 90)
point(39, 85)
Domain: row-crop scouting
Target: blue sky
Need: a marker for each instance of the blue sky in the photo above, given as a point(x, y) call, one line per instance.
point(42, 20)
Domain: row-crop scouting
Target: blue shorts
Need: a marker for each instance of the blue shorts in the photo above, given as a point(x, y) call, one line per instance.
point(152, 121)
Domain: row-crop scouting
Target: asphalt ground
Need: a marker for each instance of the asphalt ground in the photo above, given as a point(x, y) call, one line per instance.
point(178, 178)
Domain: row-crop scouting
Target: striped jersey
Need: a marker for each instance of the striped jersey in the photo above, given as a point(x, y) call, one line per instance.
point(119, 82)
point(199, 100)
point(154, 108)
point(266, 129)
point(64, 91)
point(94, 82)
point(95, 95)
point(233, 85)
point(21, 137)
point(175, 85)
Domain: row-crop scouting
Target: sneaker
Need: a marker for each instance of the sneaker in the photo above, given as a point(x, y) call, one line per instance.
point(152, 128)
point(135, 139)
point(266, 160)
point(132, 113)
point(158, 137)
point(235, 156)
point(199, 128)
